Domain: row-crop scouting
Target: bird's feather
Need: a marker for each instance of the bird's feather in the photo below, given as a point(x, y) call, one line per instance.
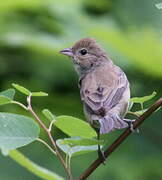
point(102, 89)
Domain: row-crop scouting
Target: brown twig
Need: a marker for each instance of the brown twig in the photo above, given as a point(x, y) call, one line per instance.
point(48, 131)
point(120, 139)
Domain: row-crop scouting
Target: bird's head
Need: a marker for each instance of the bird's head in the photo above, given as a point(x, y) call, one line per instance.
point(85, 53)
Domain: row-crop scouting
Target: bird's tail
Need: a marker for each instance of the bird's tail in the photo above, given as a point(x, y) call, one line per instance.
point(111, 122)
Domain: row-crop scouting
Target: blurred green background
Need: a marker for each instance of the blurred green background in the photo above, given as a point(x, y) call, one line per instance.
point(31, 34)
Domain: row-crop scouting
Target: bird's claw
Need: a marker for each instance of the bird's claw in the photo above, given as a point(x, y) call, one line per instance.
point(130, 123)
point(101, 156)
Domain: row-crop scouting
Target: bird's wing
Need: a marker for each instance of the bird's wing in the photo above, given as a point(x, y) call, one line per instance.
point(103, 88)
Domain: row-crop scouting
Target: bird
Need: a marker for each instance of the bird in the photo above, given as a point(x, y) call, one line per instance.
point(104, 87)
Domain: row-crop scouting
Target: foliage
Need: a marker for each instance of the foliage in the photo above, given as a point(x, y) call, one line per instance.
point(75, 146)
point(159, 6)
point(18, 130)
point(31, 35)
point(30, 31)
point(31, 166)
point(74, 127)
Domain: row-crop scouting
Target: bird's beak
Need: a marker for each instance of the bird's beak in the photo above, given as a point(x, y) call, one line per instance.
point(67, 51)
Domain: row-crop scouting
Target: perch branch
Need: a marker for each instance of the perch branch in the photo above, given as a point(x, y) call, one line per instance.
point(120, 139)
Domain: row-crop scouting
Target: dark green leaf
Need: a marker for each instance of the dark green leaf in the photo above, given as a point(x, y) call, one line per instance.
point(7, 96)
point(21, 89)
point(16, 131)
point(9, 93)
point(74, 127)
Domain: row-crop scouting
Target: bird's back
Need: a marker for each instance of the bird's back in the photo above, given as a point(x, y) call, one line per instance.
point(104, 87)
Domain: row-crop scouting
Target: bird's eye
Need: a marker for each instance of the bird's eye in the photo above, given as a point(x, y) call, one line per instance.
point(83, 51)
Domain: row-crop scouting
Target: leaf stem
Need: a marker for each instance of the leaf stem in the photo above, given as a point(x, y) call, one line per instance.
point(20, 104)
point(50, 126)
point(47, 145)
point(133, 113)
point(30, 109)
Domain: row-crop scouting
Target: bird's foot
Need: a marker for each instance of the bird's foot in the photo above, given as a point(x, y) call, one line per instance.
point(130, 123)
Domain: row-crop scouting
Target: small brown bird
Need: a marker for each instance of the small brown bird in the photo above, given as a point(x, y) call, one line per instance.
point(104, 87)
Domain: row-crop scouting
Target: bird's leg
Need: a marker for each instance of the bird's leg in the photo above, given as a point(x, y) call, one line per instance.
point(96, 126)
point(123, 123)
point(130, 123)
point(100, 152)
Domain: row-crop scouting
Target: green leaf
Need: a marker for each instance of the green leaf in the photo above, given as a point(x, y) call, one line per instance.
point(5, 152)
point(21, 89)
point(75, 127)
point(27, 92)
point(4, 100)
point(159, 6)
point(39, 94)
point(130, 105)
point(7, 96)
point(33, 167)
point(9, 93)
point(78, 141)
point(158, 109)
point(71, 150)
point(143, 99)
point(48, 114)
point(139, 113)
point(16, 131)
